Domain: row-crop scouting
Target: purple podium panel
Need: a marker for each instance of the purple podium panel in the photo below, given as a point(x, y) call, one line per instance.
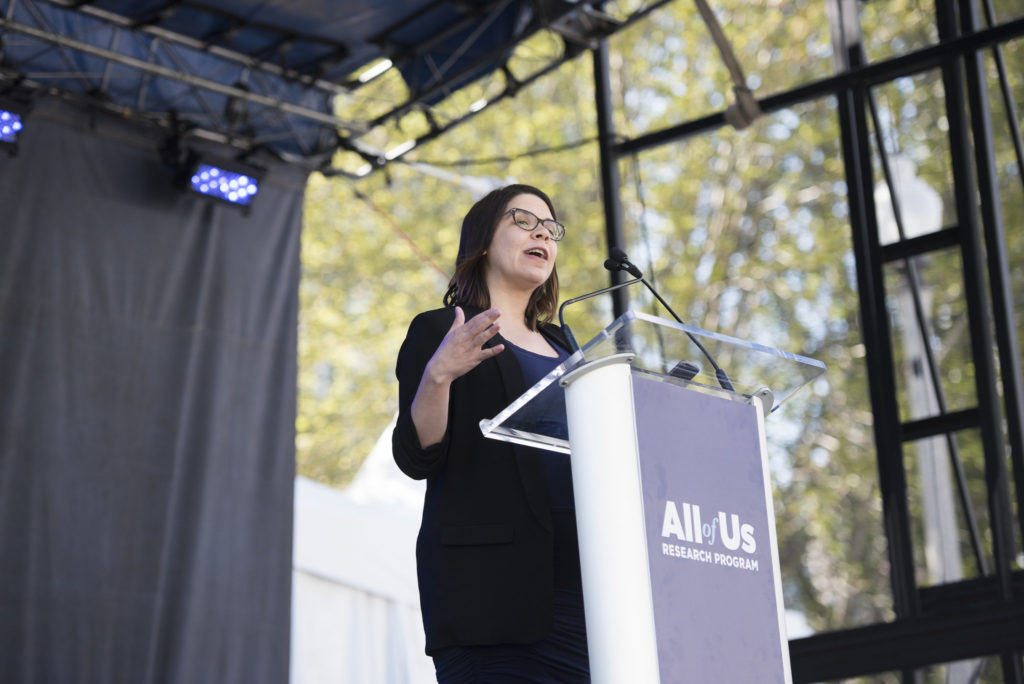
point(710, 537)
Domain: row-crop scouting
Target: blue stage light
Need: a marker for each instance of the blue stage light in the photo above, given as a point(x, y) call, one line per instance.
point(230, 181)
point(224, 184)
point(13, 114)
point(10, 126)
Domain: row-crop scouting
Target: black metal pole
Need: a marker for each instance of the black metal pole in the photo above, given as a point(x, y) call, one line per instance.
point(965, 189)
point(878, 344)
point(998, 261)
point(609, 167)
point(971, 184)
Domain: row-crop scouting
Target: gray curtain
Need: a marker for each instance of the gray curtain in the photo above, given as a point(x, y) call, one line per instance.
point(147, 408)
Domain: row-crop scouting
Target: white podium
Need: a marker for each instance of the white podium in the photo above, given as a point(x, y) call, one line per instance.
point(674, 514)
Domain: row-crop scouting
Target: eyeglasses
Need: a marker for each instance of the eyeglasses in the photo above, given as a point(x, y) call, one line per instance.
point(529, 221)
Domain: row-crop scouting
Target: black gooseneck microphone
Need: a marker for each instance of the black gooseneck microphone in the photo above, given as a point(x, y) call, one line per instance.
point(620, 262)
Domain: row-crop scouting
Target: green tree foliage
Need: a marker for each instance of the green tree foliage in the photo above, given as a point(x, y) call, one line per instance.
point(747, 232)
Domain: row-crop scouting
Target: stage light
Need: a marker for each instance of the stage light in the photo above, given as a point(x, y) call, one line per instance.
point(232, 182)
point(230, 186)
point(10, 126)
point(12, 122)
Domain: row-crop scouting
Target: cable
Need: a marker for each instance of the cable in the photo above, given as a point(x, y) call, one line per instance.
point(645, 235)
point(423, 256)
point(505, 159)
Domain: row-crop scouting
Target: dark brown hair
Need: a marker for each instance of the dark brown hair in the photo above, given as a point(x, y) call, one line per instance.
point(468, 286)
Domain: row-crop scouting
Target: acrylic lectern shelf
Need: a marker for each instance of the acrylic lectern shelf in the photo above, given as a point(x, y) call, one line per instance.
point(664, 350)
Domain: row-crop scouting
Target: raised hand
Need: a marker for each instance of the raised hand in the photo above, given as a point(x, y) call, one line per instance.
point(462, 349)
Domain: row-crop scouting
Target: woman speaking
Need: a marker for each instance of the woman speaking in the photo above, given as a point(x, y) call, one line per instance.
point(497, 556)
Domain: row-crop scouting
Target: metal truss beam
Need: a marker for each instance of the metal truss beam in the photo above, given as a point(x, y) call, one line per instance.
point(189, 79)
point(207, 46)
point(974, 626)
point(417, 99)
point(871, 74)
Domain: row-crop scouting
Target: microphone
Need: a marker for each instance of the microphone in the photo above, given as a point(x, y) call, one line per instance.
point(619, 261)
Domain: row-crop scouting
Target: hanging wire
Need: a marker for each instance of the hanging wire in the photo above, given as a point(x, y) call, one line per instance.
point(536, 152)
point(420, 254)
point(645, 233)
point(645, 239)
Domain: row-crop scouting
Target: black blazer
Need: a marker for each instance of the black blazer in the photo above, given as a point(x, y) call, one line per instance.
point(484, 553)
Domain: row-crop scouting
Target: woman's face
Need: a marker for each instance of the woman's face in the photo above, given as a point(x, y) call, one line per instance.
point(521, 259)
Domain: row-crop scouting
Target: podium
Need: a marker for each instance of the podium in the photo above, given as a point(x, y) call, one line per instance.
point(678, 553)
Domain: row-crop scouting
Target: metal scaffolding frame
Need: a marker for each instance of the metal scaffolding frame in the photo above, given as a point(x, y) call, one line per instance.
point(264, 84)
point(958, 620)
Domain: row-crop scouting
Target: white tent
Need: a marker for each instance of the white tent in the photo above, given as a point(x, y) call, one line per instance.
point(355, 607)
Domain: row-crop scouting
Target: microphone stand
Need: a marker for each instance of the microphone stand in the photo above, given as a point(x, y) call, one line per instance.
point(561, 321)
point(622, 262)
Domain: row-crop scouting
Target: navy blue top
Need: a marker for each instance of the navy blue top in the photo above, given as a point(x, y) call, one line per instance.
point(557, 476)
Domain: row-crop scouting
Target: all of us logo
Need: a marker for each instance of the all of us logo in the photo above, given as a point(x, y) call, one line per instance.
point(733, 534)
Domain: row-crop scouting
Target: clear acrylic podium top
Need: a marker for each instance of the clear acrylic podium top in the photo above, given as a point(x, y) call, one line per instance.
point(664, 350)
